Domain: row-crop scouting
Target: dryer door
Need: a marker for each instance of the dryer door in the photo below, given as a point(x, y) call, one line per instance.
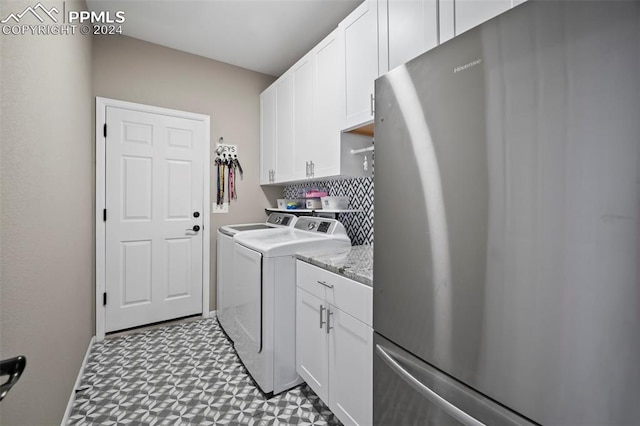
point(225, 300)
point(247, 293)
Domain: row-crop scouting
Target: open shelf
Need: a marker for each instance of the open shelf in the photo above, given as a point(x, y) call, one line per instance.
point(312, 211)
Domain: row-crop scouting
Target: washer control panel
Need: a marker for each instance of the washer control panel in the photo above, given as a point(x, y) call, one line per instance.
point(318, 225)
point(283, 219)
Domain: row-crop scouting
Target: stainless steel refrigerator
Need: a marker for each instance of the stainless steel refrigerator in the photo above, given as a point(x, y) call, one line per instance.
point(507, 223)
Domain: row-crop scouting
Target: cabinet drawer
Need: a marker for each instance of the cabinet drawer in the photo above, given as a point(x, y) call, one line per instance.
point(307, 279)
point(352, 297)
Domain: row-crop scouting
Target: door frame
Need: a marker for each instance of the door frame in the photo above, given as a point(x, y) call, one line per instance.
point(101, 228)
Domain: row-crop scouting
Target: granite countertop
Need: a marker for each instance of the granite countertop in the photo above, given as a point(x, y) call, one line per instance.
point(355, 262)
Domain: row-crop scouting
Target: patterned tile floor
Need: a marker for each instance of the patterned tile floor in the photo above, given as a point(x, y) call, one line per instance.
point(185, 374)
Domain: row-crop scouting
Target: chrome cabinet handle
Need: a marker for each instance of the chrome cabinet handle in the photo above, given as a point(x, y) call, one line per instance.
point(329, 320)
point(372, 103)
point(322, 308)
point(313, 168)
point(428, 393)
point(324, 283)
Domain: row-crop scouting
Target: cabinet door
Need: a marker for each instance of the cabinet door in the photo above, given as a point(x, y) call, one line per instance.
point(302, 115)
point(412, 29)
point(360, 37)
point(328, 89)
point(284, 141)
point(350, 368)
point(458, 16)
point(312, 342)
point(267, 134)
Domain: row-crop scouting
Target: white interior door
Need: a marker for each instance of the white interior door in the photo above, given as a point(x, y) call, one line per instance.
point(154, 242)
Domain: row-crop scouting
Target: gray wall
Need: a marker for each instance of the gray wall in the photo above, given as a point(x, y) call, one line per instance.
point(133, 70)
point(46, 219)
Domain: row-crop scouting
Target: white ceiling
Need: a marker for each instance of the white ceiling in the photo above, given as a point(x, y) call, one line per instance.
point(267, 36)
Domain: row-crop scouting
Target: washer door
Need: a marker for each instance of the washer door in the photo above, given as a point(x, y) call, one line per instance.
point(247, 293)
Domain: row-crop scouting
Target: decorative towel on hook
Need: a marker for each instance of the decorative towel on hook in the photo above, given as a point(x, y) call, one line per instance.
point(227, 165)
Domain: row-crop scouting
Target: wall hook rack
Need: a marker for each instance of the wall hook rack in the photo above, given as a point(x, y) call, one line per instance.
point(228, 165)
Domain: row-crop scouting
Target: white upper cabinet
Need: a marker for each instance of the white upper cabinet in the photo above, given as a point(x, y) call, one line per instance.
point(303, 119)
point(458, 16)
point(284, 139)
point(359, 32)
point(331, 89)
point(407, 28)
point(267, 135)
point(328, 63)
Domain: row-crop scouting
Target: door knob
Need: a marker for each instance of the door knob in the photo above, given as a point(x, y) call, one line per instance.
point(196, 214)
point(195, 228)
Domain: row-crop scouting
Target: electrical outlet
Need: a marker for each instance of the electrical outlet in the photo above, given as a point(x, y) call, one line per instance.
point(224, 208)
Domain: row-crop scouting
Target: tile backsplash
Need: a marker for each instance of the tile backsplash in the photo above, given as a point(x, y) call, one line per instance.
point(360, 192)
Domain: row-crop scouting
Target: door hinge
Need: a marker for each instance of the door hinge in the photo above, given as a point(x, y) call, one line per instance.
point(105, 130)
point(104, 215)
point(104, 299)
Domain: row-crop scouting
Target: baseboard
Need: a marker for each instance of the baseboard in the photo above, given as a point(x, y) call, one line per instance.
point(76, 385)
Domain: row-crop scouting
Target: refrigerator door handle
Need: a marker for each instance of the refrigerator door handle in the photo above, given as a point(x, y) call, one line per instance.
point(436, 399)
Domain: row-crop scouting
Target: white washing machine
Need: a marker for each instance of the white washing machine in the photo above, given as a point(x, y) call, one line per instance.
point(265, 274)
point(225, 289)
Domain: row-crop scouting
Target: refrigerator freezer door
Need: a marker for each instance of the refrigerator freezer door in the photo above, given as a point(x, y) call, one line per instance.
point(413, 392)
point(513, 151)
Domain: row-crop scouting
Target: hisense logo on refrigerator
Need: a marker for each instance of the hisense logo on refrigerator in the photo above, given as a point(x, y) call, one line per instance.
point(57, 20)
point(467, 66)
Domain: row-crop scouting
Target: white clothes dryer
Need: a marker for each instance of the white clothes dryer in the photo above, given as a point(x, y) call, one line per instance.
point(225, 295)
point(265, 275)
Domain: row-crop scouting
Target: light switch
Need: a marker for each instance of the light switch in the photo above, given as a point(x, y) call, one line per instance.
point(224, 208)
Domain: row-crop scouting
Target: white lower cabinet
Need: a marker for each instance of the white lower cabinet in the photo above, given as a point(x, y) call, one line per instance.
point(312, 345)
point(350, 368)
point(334, 341)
